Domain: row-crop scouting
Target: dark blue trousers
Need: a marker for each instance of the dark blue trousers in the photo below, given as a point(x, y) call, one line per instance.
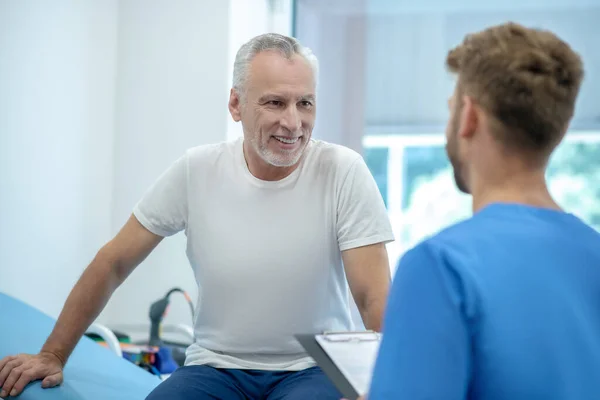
point(198, 382)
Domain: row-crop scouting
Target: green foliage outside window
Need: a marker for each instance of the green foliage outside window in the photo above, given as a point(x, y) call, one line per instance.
point(431, 201)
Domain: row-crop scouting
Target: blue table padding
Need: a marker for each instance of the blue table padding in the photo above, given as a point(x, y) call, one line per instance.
point(92, 373)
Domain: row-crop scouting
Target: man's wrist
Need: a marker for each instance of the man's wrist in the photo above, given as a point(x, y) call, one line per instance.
point(55, 353)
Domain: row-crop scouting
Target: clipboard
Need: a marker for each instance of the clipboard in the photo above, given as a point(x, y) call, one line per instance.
point(312, 344)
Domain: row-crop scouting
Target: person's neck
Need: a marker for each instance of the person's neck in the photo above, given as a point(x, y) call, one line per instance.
point(263, 170)
point(517, 188)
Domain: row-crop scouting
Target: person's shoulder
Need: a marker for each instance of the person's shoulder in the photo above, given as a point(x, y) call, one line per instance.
point(445, 259)
point(452, 245)
point(453, 236)
point(210, 153)
point(457, 234)
point(333, 156)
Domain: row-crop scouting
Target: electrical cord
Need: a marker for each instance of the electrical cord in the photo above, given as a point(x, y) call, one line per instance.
point(185, 294)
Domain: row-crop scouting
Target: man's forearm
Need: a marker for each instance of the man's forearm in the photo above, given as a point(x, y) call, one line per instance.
point(368, 272)
point(85, 302)
point(372, 312)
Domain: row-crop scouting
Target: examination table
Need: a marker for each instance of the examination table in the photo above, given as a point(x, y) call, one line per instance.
point(93, 372)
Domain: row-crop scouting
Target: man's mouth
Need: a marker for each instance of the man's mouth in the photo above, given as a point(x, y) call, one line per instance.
point(287, 140)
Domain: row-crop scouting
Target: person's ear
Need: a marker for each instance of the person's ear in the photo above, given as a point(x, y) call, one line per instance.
point(469, 118)
point(235, 105)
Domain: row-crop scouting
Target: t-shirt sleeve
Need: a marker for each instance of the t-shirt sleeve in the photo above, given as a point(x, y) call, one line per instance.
point(425, 350)
point(361, 214)
point(163, 208)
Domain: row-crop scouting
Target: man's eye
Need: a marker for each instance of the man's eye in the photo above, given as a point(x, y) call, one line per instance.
point(275, 103)
point(306, 103)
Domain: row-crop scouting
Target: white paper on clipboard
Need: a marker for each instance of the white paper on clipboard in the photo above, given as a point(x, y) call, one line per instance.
point(354, 354)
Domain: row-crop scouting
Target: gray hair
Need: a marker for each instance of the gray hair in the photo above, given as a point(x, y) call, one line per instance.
point(285, 45)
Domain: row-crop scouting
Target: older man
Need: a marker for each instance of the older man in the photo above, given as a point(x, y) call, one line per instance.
point(277, 224)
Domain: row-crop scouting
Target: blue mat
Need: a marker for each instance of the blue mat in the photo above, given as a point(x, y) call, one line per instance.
point(92, 373)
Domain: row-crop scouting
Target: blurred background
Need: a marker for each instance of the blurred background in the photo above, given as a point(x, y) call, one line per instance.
point(384, 90)
point(98, 97)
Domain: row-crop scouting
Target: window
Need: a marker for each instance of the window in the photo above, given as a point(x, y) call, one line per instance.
point(416, 181)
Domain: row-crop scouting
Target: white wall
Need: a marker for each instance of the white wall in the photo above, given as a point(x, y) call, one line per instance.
point(171, 95)
point(57, 79)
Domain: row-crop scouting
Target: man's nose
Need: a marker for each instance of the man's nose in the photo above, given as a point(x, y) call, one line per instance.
point(291, 119)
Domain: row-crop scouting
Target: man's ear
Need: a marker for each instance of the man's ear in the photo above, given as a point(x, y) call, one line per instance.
point(235, 105)
point(469, 118)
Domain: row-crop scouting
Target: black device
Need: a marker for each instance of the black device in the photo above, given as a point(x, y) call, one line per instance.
point(158, 310)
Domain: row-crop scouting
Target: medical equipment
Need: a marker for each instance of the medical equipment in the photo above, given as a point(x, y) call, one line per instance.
point(169, 355)
point(158, 310)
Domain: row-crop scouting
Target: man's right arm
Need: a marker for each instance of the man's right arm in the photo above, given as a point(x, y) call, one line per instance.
point(111, 266)
point(425, 349)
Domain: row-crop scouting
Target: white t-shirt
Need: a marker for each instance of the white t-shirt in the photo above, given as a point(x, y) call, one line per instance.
point(266, 254)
